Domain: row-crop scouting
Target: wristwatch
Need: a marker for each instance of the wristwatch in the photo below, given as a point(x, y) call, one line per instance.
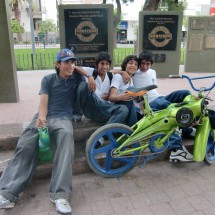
point(88, 75)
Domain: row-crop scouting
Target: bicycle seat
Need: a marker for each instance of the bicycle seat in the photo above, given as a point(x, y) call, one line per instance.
point(140, 91)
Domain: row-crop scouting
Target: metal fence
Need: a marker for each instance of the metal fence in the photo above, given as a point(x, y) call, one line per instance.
point(35, 62)
point(47, 60)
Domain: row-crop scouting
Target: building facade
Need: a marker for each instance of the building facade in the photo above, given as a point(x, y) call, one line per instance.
point(24, 16)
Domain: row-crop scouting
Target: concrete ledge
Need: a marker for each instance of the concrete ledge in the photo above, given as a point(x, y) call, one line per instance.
point(10, 133)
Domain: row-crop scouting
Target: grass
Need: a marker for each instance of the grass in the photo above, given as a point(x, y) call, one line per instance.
point(45, 58)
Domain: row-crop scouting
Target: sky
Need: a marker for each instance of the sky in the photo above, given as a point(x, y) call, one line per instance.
point(131, 8)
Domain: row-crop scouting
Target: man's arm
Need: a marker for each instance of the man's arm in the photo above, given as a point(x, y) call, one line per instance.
point(114, 97)
point(117, 71)
point(125, 75)
point(43, 110)
point(91, 81)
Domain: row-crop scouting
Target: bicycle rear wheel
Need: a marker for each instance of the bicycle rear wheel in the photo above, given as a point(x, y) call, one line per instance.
point(99, 150)
point(210, 150)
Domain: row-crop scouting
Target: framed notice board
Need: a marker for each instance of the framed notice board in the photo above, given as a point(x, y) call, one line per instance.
point(86, 29)
point(160, 32)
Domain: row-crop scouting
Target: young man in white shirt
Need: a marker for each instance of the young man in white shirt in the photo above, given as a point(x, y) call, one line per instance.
point(146, 76)
point(95, 105)
point(118, 93)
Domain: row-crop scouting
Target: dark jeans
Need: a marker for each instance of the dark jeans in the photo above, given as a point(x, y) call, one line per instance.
point(132, 115)
point(99, 110)
point(163, 102)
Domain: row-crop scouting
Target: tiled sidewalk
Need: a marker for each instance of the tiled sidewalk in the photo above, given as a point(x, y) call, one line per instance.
point(29, 85)
point(160, 188)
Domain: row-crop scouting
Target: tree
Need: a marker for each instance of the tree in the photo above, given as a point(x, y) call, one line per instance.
point(117, 16)
point(151, 5)
point(166, 5)
point(45, 27)
point(172, 5)
point(15, 5)
point(17, 27)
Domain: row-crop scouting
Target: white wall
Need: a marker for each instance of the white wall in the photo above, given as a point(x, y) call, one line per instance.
point(131, 34)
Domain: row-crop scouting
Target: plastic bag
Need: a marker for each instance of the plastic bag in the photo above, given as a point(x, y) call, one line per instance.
point(45, 151)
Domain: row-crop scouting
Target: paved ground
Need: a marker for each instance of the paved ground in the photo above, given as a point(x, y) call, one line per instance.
point(160, 188)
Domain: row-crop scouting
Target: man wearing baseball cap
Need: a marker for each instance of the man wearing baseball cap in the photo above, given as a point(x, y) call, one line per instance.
point(55, 112)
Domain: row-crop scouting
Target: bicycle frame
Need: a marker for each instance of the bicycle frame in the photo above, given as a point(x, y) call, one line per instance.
point(164, 122)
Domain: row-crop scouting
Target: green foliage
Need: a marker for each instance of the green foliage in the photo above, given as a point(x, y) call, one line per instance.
point(47, 26)
point(17, 27)
point(13, 2)
point(172, 5)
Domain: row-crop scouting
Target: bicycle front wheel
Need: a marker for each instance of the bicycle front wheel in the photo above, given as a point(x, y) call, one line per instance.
point(99, 150)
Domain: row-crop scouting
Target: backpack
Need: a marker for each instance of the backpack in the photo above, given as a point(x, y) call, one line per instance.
point(95, 74)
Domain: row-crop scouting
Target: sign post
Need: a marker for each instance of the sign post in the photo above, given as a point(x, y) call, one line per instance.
point(86, 31)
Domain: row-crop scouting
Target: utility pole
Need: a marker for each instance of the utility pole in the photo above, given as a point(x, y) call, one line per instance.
point(32, 27)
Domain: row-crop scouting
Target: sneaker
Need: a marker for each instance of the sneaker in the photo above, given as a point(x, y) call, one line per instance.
point(100, 143)
point(181, 155)
point(62, 206)
point(193, 133)
point(189, 133)
point(5, 203)
point(76, 118)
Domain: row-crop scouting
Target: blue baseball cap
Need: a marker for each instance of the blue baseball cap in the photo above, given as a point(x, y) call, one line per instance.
point(65, 54)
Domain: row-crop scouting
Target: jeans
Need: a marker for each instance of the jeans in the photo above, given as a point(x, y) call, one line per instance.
point(163, 102)
point(21, 167)
point(99, 110)
point(132, 115)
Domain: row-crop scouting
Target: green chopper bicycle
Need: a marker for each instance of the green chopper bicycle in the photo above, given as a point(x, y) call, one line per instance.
point(114, 149)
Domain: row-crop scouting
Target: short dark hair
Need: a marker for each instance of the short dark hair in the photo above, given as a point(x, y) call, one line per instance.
point(146, 55)
point(127, 59)
point(56, 68)
point(103, 56)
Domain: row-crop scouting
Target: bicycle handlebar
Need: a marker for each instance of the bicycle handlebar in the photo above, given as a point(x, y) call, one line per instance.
point(191, 81)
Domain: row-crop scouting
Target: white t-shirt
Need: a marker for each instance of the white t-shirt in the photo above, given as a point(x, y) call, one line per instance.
point(143, 79)
point(119, 84)
point(102, 87)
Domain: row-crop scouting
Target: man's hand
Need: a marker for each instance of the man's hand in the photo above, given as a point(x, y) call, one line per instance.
point(105, 96)
point(126, 97)
point(91, 84)
point(126, 77)
point(41, 122)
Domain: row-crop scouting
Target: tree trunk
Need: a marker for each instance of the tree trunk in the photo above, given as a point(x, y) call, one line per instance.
point(117, 18)
point(16, 11)
point(151, 5)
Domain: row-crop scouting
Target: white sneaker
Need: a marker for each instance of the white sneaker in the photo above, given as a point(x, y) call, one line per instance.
point(181, 155)
point(5, 203)
point(62, 206)
point(193, 133)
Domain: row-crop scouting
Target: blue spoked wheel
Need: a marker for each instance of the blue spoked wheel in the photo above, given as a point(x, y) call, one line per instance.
point(210, 150)
point(99, 151)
